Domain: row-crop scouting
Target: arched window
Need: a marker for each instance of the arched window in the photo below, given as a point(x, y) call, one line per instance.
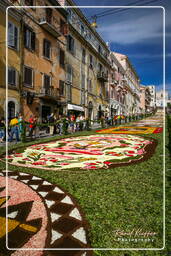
point(11, 109)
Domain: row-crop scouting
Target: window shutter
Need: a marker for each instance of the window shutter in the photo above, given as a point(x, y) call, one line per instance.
point(9, 76)
point(72, 45)
point(11, 34)
point(33, 40)
point(28, 76)
point(14, 76)
point(48, 49)
point(69, 73)
point(61, 88)
point(44, 47)
point(62, 57)
point(16, 37)
point(25, 36)
point(46, 81)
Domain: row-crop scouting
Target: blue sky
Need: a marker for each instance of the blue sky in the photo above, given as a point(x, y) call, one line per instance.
point(138, 34)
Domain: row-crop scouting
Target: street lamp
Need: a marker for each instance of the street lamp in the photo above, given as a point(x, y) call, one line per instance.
point(94, 23)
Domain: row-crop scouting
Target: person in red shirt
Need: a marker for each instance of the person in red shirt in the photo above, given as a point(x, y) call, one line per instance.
point(32, 125)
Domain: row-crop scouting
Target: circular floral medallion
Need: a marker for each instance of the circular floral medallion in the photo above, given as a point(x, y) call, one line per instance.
point(86, 152)
point(40, 215)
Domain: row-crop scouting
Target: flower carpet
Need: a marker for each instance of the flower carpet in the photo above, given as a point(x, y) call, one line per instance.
point(131, 130)
point(86, 152)
point(40, 215)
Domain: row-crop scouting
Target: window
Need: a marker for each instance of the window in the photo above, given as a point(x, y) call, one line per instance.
point(83, 56)
point(28, 76)
point(82, 97)
point(62, 58)
point(100, 49)
point(100, 67)
point(12, 76)
point(12, 35)
point(62, 26)
point(71, 44)
point(69, 74)
point(46, 48)
point(83, 81)
point(29, 2)
point(29, 38)
point(11, 110)
point(47, 81)
point(61, 88)
point(91, 61)
point(48, 15)
point(90, 88)
point(82, 30)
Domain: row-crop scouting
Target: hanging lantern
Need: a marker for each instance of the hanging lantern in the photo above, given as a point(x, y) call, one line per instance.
point(94, 23)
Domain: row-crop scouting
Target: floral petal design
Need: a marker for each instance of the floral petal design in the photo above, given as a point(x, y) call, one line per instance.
point(86, 152)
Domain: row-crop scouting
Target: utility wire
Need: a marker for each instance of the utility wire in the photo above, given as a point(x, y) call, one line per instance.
point(110, 12)
point(116, 9)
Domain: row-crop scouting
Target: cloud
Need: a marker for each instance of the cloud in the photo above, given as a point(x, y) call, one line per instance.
point(151, 56)
point(134, 29)
point(159, 87)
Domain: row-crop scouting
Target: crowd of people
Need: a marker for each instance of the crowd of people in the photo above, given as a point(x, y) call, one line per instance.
point(32, 127)
point(51, 125)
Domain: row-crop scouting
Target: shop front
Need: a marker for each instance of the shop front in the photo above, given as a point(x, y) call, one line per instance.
point(75, 109)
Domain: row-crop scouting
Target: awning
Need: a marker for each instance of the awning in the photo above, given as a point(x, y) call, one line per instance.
point(75, 107)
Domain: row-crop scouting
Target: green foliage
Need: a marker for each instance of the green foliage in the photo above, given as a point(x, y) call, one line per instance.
point(169, 131)
point(124, 198)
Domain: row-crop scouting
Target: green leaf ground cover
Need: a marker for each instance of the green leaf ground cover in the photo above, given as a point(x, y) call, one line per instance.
point(124, 198)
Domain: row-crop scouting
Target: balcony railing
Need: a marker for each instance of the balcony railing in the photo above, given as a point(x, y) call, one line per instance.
point(51, 25)
point(49, 93)
point(113, 82)
point(102, 76)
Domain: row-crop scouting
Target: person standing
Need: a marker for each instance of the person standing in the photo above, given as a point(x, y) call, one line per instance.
point(78, 123)
point(72, 124)
point(21, 125)
point(14, 124)
point(32, 125)
point(2, 130)
point(51, 124)
point(36, 126)
point(81, 122)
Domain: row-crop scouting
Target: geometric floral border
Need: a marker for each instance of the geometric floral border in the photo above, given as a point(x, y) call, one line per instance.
point(67, 227)
point(131, 130)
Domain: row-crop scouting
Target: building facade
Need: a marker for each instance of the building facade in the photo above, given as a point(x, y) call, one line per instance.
point(58, 63)
point(87, 67)
point(43, 77)
point(152, 90)
point(161, 98)
point(116, 90)
point(145, 99)
point(11, 105)
point(130, 86)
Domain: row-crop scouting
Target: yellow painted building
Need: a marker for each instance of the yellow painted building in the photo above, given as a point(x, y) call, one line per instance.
point(88, 67)
point(14, 61)
point(43, 75)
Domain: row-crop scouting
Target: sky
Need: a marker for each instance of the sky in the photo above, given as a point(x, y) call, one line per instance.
point(137, 33)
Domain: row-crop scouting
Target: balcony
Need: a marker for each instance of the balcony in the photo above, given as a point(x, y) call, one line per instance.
point(102, 76)
point(49, 93)
point(51, 25)
point(113, 82)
